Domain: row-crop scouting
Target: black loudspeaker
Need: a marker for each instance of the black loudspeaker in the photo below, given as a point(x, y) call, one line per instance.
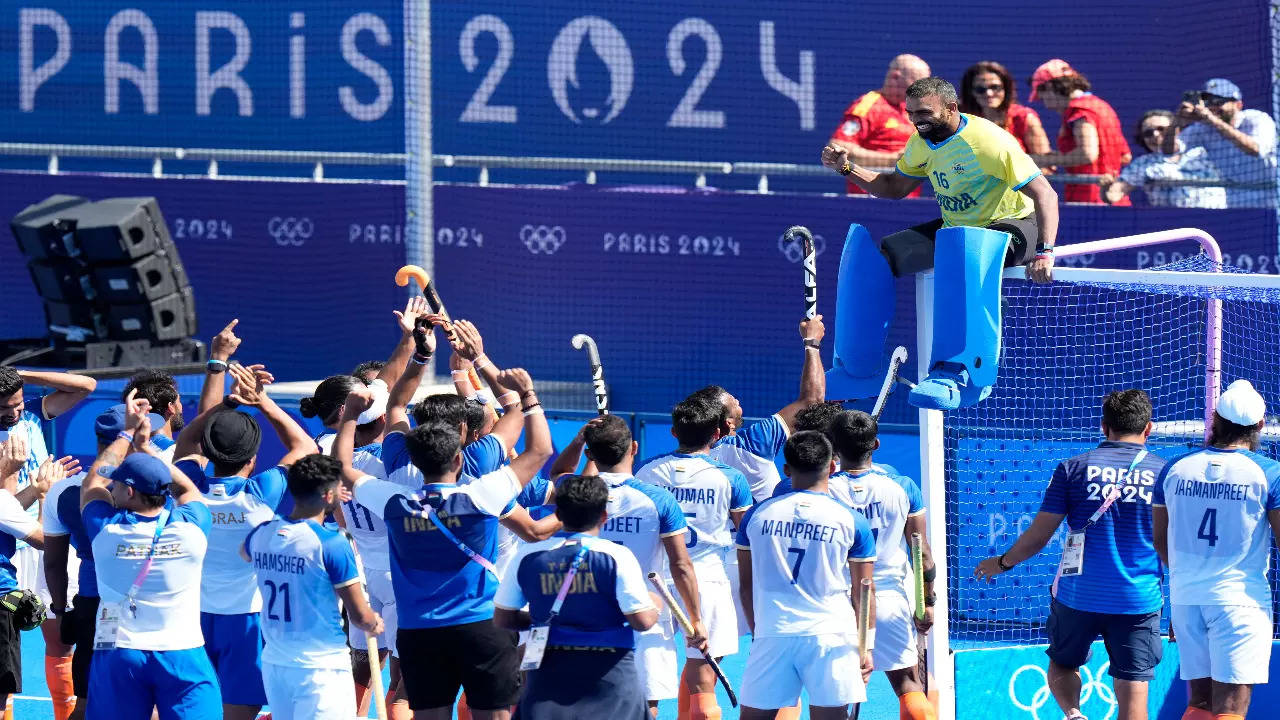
point(150, 277)
point(119, 229)
point(164, 318)
point(59, 280)
point(45, 230)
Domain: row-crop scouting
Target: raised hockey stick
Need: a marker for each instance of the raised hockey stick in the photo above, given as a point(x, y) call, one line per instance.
point(890, 377)
point(801, 233)
point(580, 341)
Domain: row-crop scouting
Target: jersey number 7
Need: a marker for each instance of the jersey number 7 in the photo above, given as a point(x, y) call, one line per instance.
point(795, 567)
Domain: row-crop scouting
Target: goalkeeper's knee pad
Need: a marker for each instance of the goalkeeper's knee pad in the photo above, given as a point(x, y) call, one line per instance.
point(864, 308)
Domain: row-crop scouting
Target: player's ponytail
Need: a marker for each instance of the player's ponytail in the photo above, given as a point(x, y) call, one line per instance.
point(328, 398)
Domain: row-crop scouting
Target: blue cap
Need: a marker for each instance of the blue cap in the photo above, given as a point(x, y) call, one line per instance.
point(1222, 87)
point(145, 473)
point(111, 423)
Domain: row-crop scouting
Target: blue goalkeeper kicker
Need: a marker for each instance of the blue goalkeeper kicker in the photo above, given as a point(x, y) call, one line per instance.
point(864, 309)
point(968, 265)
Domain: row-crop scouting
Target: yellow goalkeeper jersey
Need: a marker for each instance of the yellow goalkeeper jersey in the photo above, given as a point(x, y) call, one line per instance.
point(976, 173)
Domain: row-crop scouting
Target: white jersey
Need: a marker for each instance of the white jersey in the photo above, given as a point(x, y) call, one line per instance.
point(640, 516)
point(37, 452)
point(168, 603)
point(752, 452)
point(886, 501)
point(366, 459)
point(299, 564)
point(801, 544)
point(236, 505)
point(1219, 535)
point(368, 530)
point(707, 492)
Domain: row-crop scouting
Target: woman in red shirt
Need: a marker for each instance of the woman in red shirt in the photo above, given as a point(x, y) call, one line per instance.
point(1091, 141)
point(987, 90)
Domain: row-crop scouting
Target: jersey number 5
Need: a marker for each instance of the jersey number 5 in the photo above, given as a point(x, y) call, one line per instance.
point(693, 534)
point(1209, 527)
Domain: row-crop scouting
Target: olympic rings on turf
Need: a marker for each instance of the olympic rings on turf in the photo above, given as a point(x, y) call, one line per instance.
point(542, 239)
point(290, 230)
point(1041, 696)
point(1090, 683)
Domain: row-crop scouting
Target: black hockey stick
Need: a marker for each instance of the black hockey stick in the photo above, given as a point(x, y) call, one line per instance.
point(801, 233)
point(687, 627)
point(890, 377)
point(580, 341)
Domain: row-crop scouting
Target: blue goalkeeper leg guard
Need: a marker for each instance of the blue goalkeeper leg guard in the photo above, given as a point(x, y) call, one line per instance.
point(864, 308)
point(968, 264)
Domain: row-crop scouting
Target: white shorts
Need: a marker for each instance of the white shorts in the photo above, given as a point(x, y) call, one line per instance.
point(826, 666)
point(719, 615)
point(895, 646)
point(29, 562)
point(1229, 643)
point(656, 660)
point(296, 693)
point(383, 602)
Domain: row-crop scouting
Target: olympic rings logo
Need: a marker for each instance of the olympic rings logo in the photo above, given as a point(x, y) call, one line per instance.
point(290, 230)
point(794, 251)
point(541, 239)
point(1091, 683)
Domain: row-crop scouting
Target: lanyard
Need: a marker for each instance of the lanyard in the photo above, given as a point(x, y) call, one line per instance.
point(1115, 492)
point(472, 555)
point(568, 581)
point(161, 519)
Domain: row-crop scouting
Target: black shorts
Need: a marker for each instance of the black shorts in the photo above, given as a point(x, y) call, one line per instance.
point(10, 655)
point(1133, 641)
point(479, 657)
point(76, 628)
point(911, 251)
point(584, 683)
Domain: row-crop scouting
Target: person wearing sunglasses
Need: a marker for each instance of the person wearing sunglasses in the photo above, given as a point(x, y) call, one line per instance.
point(987, 90)
point(1240, 143)
point(1157, 165)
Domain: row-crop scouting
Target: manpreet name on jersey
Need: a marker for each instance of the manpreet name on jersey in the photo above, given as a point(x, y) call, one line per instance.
point(797, 530)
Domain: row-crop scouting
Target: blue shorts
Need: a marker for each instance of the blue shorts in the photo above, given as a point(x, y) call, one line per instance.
point(1133, 641)
point(234, 644)
point(126, 683)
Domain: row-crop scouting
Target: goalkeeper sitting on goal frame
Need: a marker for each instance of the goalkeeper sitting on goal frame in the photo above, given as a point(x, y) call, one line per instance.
point(995, 206)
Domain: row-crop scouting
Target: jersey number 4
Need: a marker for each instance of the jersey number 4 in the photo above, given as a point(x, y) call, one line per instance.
point(1209, 527)
point(282, 592)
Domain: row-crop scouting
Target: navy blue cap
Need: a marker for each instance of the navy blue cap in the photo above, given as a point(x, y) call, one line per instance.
point(145, 473)
point(111, 423)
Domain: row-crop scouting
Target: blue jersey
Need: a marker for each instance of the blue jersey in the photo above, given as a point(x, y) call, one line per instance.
point(886, 501)
point(1121, 572)
point(607, 587)
point(1219, 534)
point(478, 458)
point(707, 491)
point(435, 583)
point(752, 452)
point(62, 517)
point(168, 603)
point(801, 544)
point(640, 515)
point(299, 564)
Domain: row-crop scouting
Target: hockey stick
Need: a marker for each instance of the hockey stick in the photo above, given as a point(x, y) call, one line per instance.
point(580, 341)
point(413, 272)
point(687, 627)
point(922, 644)
point(890, 377)
point(864, 619)
point(801, 233)
point(371, 644)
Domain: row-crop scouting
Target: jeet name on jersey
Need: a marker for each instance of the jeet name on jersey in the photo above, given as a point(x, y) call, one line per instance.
point(622, 525)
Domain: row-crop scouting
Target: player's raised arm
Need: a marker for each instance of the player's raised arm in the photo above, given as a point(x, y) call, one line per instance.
point(343, 450)
point(566, 462)
point(424, 344)
point(813, 377)
point(399, 359)
point(893, 185)
point(471, 346)
point(94, 486)
point(249, 390)
point(537, 439)
point(223, 346)
point(68, 390)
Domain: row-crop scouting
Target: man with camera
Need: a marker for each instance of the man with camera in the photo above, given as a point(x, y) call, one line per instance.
point(1240, 143)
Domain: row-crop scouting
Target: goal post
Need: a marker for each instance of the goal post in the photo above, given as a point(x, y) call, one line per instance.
point(1172, 331)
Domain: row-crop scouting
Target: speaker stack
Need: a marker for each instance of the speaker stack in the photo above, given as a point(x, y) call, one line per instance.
point(110, 278)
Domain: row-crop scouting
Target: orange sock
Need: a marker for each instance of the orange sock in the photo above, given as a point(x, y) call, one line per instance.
point(682, 701)
point(362, 700)
point(57, 675)
point(1194, 713)
point(8, 709)
point(915, 706)
point(464, 710)
point(703, 706)
point(1228, 716)
point(789, 713)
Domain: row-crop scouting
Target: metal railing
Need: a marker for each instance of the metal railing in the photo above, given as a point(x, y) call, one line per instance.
point(317, 161)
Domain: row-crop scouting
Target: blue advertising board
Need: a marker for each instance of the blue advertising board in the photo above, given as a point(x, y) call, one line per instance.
point(309, 75)
point(768, 81)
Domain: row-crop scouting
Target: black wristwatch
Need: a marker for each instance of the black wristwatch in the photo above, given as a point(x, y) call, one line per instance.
point(1000, 562)
point(215, 366)
point(930, 599)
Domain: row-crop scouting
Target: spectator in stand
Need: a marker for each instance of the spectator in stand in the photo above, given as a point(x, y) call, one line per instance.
point(1091, 141)
point(1240, 143)
point(987, 90)
point(876, 127)
point(1182, 164)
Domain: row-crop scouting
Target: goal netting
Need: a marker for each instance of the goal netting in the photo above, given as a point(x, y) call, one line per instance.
point(1065, 346)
